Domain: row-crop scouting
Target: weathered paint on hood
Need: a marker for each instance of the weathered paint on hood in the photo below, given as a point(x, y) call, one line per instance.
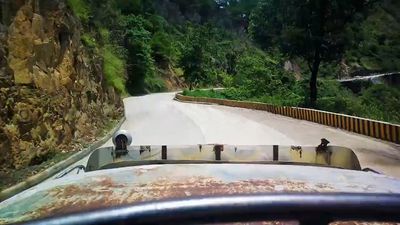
point(153, 182)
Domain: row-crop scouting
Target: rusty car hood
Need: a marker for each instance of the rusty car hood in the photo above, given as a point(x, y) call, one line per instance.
point(126, 185)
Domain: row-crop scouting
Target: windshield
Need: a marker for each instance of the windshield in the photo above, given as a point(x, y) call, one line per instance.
point(88, 87)
point(337, 157)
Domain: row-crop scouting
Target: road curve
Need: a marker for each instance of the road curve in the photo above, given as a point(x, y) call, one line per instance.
point(157, 119)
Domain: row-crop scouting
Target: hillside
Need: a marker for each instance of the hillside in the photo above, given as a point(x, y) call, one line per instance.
point(374, 44)
point(65, 64)
point(152, 39)
point(53, 94)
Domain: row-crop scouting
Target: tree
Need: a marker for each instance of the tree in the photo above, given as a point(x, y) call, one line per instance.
point(140, 63)
point(240, 11)
point(203, 57)
point(192, 63)
point(195, 58)
point(311, 29)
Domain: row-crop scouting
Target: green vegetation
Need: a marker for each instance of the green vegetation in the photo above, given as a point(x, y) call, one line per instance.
point(311, 30)
point(374, 43)
point(113, 63)
point(80, 9)
point(382, 103)
point(142, 69)
point(89, 41)
point(244, 45)
point(379, 102)
point(114, 69)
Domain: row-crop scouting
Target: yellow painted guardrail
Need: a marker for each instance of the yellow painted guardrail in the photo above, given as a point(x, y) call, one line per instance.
point(373, 128)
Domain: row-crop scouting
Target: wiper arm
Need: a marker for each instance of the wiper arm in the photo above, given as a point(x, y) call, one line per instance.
point(79, 167)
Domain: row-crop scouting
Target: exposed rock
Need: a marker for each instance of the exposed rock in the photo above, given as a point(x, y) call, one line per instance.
point(344, 69)
point(20, 45)
point(52, 91)
point(293, 67)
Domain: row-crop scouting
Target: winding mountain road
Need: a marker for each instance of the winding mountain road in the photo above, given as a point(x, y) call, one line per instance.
point(157, 119)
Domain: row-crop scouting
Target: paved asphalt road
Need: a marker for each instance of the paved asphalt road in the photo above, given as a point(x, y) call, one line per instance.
point(159, 120)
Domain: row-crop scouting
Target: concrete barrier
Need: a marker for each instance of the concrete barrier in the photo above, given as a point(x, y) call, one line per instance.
point(373, 128)
point(49, 172)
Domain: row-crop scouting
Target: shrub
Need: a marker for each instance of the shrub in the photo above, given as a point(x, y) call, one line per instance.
point(142, 76)
point(114, 69)
point(80, 9)
point(382, 102)
point(88, 41)
point(155, 84)
point(105, 35)
point(163, 49)
point(205, 93)
point(227, 80)
point(379, 102)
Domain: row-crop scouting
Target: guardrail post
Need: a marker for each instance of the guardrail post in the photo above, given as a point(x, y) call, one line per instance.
point(275, 152)
point(218, 149)
point(164, 152)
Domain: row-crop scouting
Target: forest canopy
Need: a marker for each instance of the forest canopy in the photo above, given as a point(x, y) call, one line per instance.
point(286, 52)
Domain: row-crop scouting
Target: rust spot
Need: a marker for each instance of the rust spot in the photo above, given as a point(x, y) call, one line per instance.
point(108, 182)
point(69, 191)
point(141, 171)
point(105, 192)
point(324, 186)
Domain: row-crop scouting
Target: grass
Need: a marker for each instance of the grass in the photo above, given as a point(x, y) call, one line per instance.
point(206, 93)
point(80, 9)
point(88, 41)
point(155, 84)
point(114, 69)
point(105, 35)
point(236, 94)
point(113, 65)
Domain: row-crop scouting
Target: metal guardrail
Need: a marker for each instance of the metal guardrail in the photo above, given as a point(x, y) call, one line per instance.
point(372, 128)
point(40, 177)
point(360, 78)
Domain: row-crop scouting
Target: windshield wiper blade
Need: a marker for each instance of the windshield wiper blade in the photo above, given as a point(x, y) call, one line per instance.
point(79, 167)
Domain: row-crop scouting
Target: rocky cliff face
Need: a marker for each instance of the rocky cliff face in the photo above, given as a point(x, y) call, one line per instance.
point(52, 91)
